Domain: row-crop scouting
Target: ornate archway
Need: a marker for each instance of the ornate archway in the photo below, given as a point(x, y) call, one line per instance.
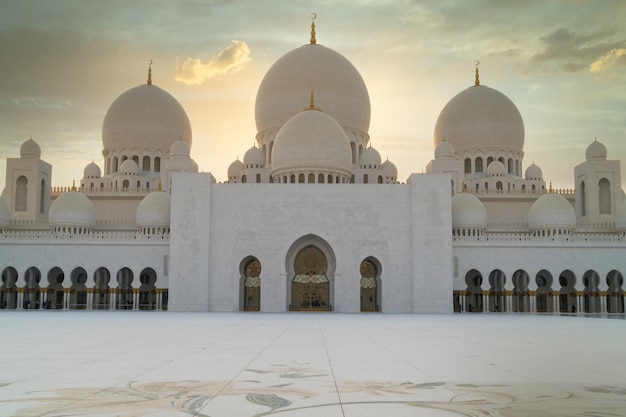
point(310, 288)
point(369, 284)
point(252, 285)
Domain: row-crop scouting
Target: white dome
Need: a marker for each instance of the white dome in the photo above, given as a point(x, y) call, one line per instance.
point(444, 150)
point(254, 156)
point(468, 212)
point(72, 209)
point(596, 151)
point(480, 118)
point(235, 168)
point(389, 168)
point(92, 170)
point(180, 149)
point(551, 211)
point(145, 117)
point(339, 89)
point(154, 210)
point(620, 217)
point(370, 156)
point(496, 169)
point(311, 140)
point(5, 214)
point(129, 167)
point(30, 149)
point(533, 172)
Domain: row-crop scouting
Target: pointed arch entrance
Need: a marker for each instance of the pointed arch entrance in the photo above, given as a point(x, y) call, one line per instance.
point(474, 292)
point(147, 290)
point(251, 284)
point(370, 288)
point(615, 294)
point(310, 271)
point(8, 289)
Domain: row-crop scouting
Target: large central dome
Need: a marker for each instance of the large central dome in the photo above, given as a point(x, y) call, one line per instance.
point(480, 118)
point(339, 89)
point(145, 117)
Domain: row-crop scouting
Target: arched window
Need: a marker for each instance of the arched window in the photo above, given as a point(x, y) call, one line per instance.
point(311, 178)
point(21, 193)
point(605, 196)
point(125, 184)
point(380, 179)
point(479, 164)
point(258, 178)
point(292, 179)
point(330, 179)
point(510, 165)
point(489, 160)
point(42, 197)
point(244, 179)
point(301, 179)
point(269, 154)
point(365, 179)
point(583, 199)
point(136, 159)
point(499, 185)
point(353, 149)
point(146, 164)
point(468, 165)
point(320, 178)
point(157, 164)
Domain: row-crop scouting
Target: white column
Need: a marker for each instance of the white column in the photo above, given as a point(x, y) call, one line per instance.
point(557, 303)
point(112, 299)
point(20, 299)
point(159, 300)
point(66, 299)
point(135, 299)
point(89, 299)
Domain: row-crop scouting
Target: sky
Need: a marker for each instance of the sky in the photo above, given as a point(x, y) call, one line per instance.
point(63, 62)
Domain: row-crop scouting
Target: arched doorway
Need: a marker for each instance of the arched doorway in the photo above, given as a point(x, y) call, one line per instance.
point(78, 294)
point(251, 280)
point(615, 294)
point(521, 299)
point(543, 296)
point(31, 288)
point(56, 292)
point(8, 290)
point(567, 295)
point(310, 287)
point(124, 289)
point(591, 303)
point(474, 292)
point(497, 294)
point(101, 278)
point(147, 291)
point(370, 277)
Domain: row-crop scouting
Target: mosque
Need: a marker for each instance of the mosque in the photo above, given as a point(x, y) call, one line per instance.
point(312, 219)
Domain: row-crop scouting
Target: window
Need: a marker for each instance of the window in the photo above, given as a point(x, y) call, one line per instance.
point(605, 196)
point(146, 164)
point(479, 164)
point(468, 165)
point(21, 193)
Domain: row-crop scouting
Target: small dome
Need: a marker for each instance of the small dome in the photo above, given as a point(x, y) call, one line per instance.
point(444, 150)
point(129, 167)
point(180, 149)
point(92, 170)
point(533, 172)
point(480, 118)
point(154, 210)
point(72, 209)
point(312, 140)
point(339, 89)
point(390, 170)
point(468, 212)
point(254, 156)
point(145, 117)
point(30, 149)
point(5, 214)
point(551, 211)
point(596, 151)
point(496, 169)
point(370, 156)
point(620, 217)
point(235, 168)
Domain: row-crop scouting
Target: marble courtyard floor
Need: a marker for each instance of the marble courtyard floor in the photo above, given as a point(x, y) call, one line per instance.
point(92, 363)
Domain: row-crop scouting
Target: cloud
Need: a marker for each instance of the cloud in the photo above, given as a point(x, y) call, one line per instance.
point(614, 57)
point(232, 59)
point(576, 52)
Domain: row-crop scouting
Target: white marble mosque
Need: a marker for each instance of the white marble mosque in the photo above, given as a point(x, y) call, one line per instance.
point(312, 218)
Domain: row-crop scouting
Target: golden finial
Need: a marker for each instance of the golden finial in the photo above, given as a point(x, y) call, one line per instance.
point(550, 190)
point(159, 186)
point(313, 40)
point(312, 102)
point(149, 72)
point(74, 185)
point(464, 187)
point(477, 80)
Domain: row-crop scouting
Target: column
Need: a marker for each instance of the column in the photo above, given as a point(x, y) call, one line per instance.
point(89, 299)
point(159, 299)
point(135, 299)
point(509, 302)
point(19, 293)
point(532, 298)
point(66, 298)
point(112, 299)
point(557, 302)
point(485, 301)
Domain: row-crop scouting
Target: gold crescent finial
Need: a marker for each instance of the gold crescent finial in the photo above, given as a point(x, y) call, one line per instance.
point(149, 72)
point(476, 80)
point(313, 17)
